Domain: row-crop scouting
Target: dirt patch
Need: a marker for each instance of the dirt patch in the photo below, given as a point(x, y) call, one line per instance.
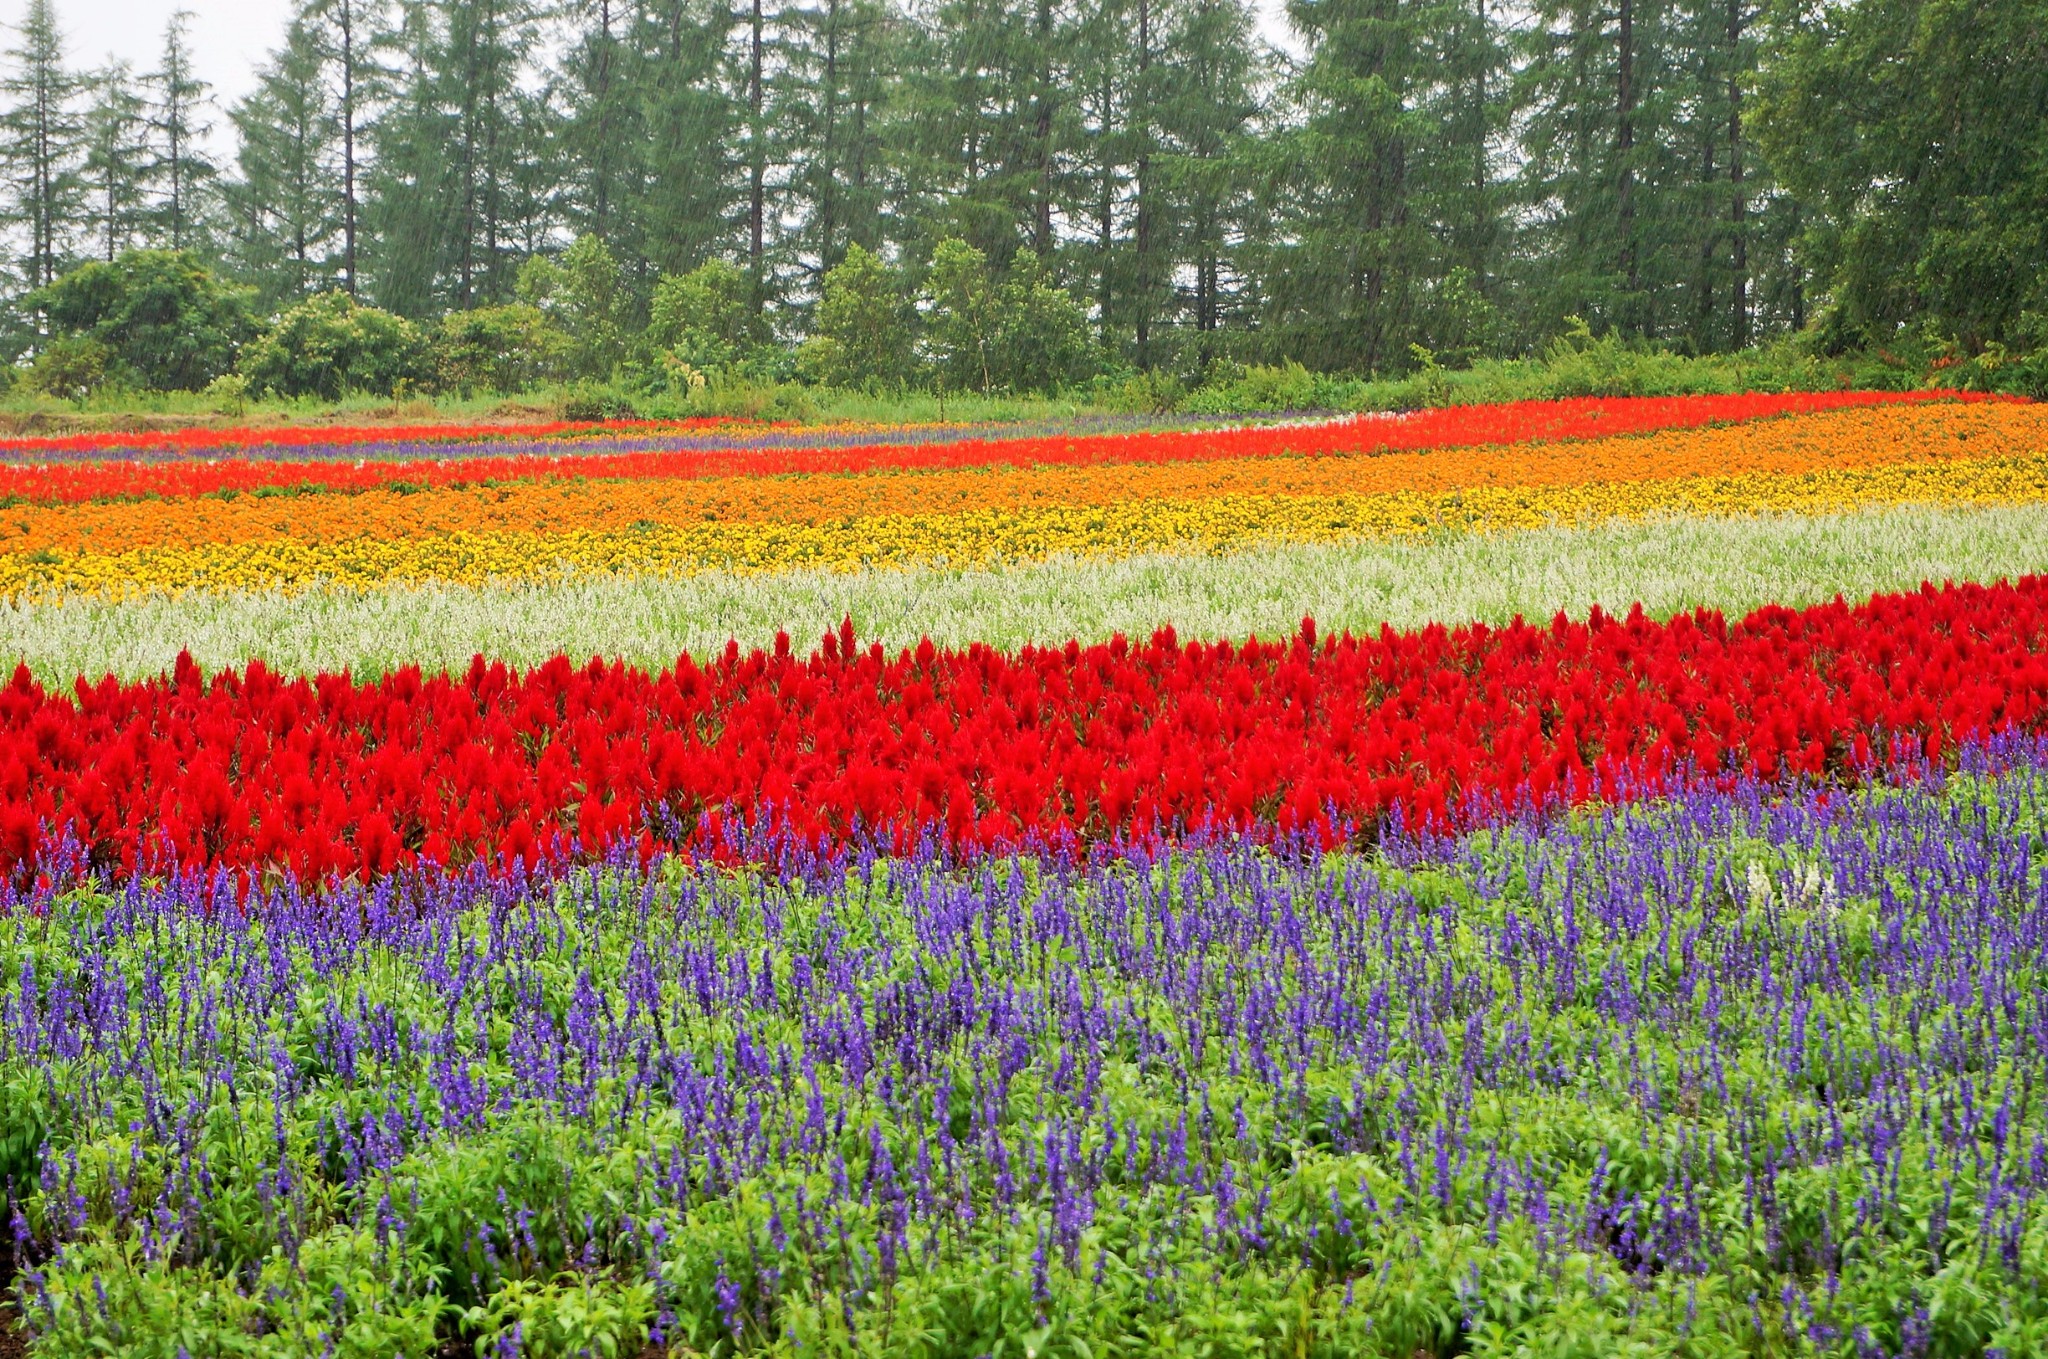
point(13, 1341)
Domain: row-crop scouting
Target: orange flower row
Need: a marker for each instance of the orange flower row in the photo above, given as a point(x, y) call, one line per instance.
point(1829, 441)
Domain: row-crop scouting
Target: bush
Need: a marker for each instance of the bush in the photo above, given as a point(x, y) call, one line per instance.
point(72, 367)
point(331, 344)
point(583, 295)
point(598, 405)
point(164, 320)
point(867, 331)
point(962, 318)
point(1282, 387)
point(705, 318)
point(228, 394)
point(1042, 340)
point(498, 349)
point(1023, 334)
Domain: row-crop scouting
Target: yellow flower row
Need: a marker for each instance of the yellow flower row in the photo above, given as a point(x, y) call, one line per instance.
point(979, 537)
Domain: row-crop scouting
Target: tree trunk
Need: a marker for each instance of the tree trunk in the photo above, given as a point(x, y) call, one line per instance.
point(346, 15)
point(1738, 195)
point(1142, 232)
point(1624, 148)
point(757, 170)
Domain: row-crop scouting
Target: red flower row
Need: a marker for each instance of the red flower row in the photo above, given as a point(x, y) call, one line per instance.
point(1448, 427)
point(328, 777)
point(201, 441)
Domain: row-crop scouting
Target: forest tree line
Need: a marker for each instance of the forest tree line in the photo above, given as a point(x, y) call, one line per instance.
point(1422, 181)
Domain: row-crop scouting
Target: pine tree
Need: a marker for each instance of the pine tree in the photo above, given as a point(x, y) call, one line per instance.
point(487, 42)
point(1097, 182)
point(1204, 105)
point(971, 150)
point(1344, 292)
point(833, 97)
point(114, 133)
point(457, 140)
point(601, 132)
point(40, 143)
point(687, 189)
point(754, 66)
point(287, 207)
point(181, 168)
point(349, 30)
point(405, 223)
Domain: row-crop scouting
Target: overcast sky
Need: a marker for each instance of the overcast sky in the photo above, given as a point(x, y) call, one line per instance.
point(231, 38)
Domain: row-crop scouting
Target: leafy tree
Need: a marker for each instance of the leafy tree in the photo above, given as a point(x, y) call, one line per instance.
point(705, 317)
point(1042, 335)
point(963, 320)
point(866, 328)
point(166, 321)
point(583, 295)
point(331, 344)
point(71, 367)
point(512, 348)
point(1023, 333)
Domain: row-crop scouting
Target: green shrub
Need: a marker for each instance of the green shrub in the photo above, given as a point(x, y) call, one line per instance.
point(866, 328)
point(1282, 387)
point(1020, 333)
point(331, 344)
point(341, 1293)
point(598, 405)
point(705, 318)
point(571, 1315)
point(164, 320)
point(1041, 340)
point(961, 318)
point(71, 367)
point(506, 349)
point(583, 295)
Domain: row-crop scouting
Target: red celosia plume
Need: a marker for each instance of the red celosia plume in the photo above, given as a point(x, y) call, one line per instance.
point(325, 776)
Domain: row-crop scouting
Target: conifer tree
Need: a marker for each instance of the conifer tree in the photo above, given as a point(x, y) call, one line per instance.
point(686, 186)
point(40, 144)
point(115, 148)
point(287, 207)
point(180, 168)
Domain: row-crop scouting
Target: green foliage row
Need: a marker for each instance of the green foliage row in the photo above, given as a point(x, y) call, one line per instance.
point(160, 321)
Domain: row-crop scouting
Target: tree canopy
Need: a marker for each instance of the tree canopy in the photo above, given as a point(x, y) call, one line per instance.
point(1454, 176)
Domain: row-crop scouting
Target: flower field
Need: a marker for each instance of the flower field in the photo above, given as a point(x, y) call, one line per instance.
point(1006, 897)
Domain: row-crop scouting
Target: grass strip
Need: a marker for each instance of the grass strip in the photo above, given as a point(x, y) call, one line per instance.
point(1671, 564)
